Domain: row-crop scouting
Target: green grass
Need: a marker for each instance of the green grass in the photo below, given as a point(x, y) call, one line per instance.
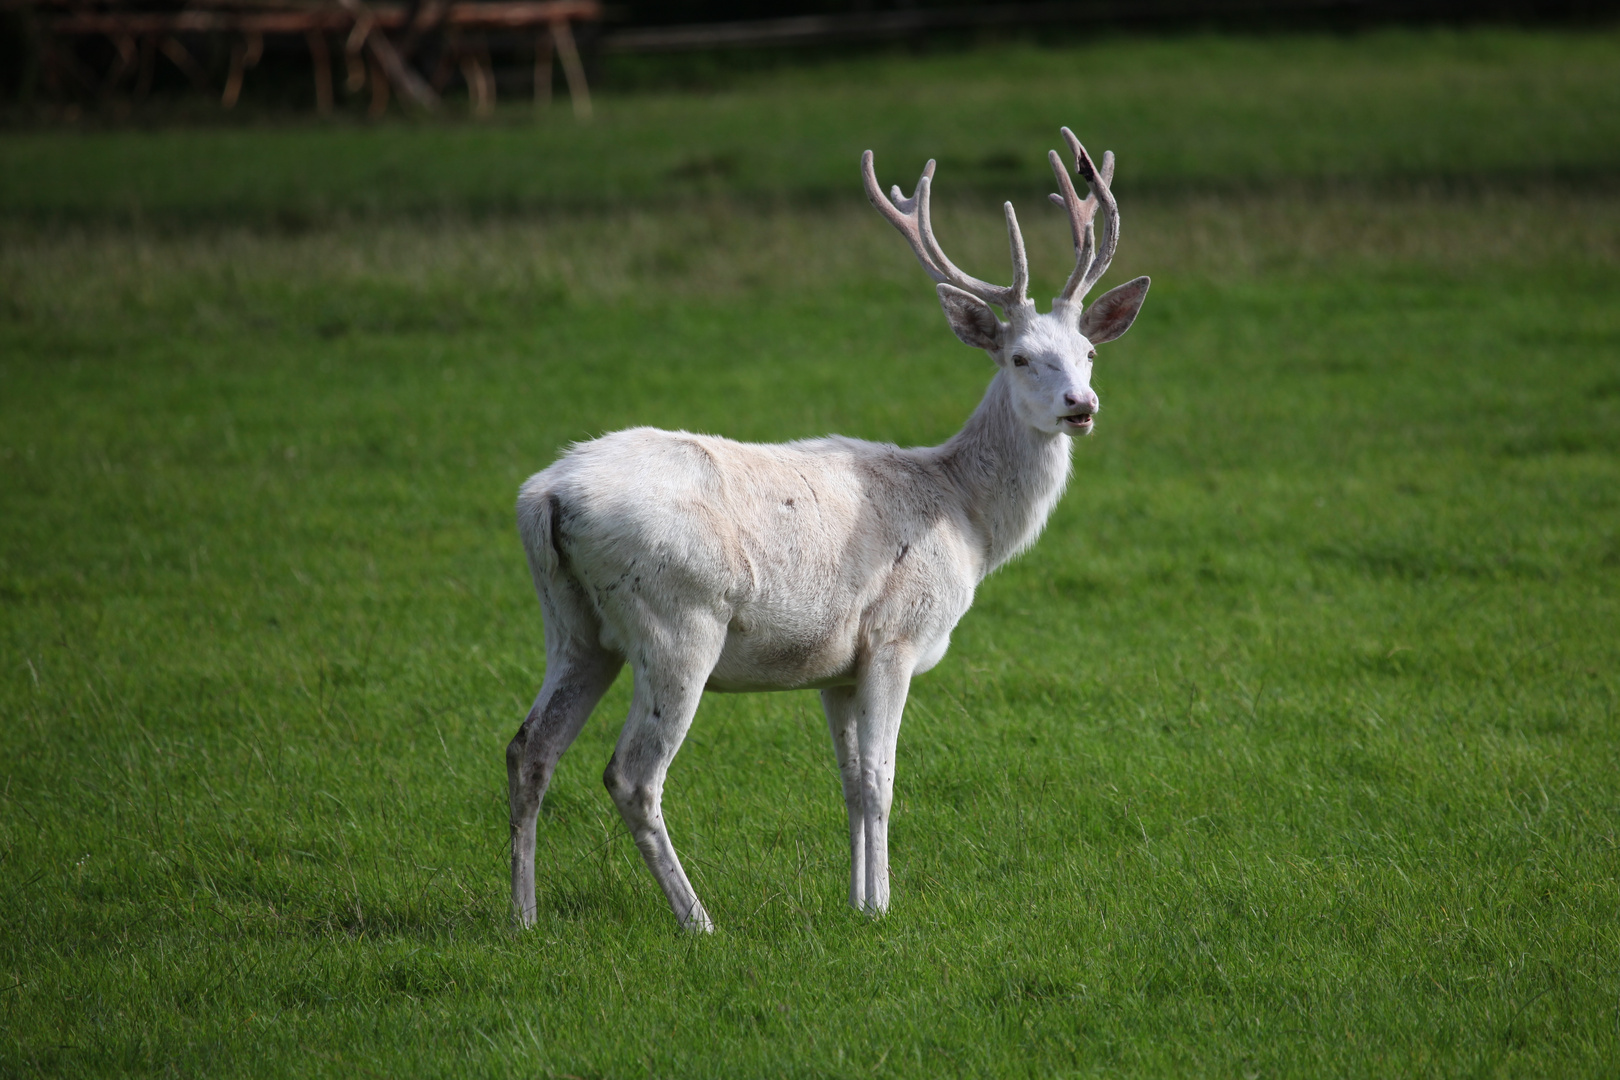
point(1290, 749)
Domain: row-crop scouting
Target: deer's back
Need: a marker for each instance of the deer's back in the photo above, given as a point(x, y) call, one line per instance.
point(807, 552)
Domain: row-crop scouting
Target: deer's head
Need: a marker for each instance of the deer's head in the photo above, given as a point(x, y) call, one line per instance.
point(1046, 358)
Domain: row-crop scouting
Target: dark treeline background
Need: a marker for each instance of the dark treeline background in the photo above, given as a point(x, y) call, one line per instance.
point(626, 51)
point(1177, 12)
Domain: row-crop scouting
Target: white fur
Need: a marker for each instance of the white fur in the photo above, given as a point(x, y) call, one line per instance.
point(832, 563)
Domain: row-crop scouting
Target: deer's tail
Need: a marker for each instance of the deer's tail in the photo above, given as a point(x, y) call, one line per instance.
point(538, 508)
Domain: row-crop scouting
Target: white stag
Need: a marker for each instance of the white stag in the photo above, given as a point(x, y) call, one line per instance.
point(830, 563)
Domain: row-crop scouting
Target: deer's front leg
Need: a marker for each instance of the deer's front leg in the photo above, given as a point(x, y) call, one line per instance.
point(839, 704)
point(880, 698)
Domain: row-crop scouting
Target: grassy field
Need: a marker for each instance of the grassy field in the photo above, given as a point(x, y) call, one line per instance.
point(1291, 748)
point(1199, 113)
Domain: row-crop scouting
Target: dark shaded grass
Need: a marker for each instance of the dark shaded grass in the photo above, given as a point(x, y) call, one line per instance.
point(1391, 109)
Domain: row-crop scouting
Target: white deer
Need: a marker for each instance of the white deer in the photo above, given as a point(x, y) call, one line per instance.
point(830, 563)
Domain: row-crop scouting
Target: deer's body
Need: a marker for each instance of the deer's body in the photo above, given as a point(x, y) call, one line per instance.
point(807, 553)
point(832, 563)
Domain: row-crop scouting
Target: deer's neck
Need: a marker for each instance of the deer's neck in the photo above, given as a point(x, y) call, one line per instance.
point(1011, 476)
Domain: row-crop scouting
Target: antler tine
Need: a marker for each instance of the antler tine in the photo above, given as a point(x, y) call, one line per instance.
point(1101, 191)
point(1110, 223)
point(900, 211)
point(908, 205)
point(1020, 261)
point(912, 218)
point(1080, 217)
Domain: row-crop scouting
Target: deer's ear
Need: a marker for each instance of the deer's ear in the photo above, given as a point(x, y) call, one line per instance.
point(970, 317)
point(1112, 313)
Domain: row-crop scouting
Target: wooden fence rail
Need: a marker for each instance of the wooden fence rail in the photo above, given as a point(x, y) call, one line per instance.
point(379, 43)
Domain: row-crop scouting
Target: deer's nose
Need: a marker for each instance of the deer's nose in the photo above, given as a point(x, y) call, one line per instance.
point(1083, 402)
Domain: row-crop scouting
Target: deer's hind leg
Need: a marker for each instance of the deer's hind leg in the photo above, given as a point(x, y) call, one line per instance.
point(671, 668)
point(578, 672)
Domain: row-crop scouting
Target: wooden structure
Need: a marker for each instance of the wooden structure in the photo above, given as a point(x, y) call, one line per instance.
point(380, 43)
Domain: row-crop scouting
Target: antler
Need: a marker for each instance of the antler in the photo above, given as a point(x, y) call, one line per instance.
point(1090, 259)
point(911, 218)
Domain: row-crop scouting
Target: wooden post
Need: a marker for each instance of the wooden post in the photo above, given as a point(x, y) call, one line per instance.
point(405, 80)
point(449, 53)
point(233, 79)
point(379, 89)
point(244, 54)
point(353, 47)
point(181, 57)
point(578, 93)
point(125, 44)
point(475, 69)
point(321, 58)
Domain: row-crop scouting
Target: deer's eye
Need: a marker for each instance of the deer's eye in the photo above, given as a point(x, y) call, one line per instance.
point(1020, 360)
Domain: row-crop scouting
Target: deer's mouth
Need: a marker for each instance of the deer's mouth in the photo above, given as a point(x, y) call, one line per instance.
point(1080, 421)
